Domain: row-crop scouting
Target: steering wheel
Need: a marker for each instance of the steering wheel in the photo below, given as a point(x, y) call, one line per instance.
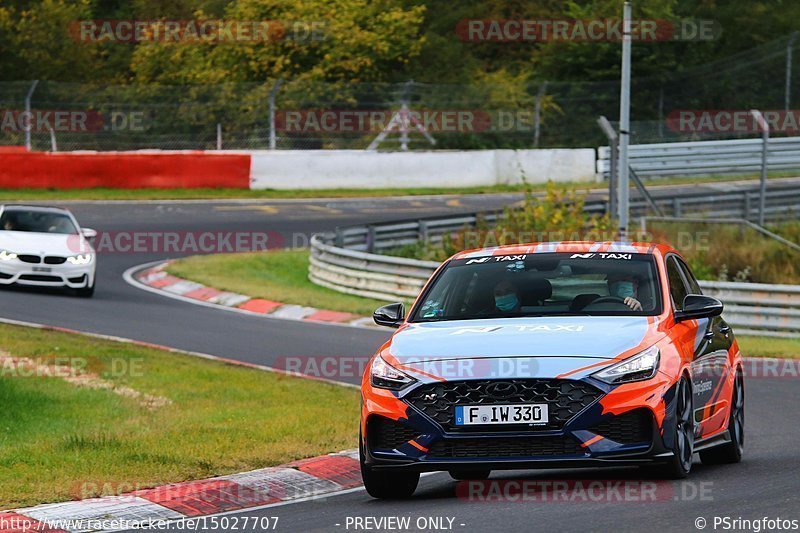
point(608, 300)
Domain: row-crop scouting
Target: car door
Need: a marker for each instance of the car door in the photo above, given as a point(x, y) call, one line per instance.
point(710, 365)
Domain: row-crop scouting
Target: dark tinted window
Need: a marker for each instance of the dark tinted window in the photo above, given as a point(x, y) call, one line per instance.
point(36, 221)
point(677, 288)
point(542, 284)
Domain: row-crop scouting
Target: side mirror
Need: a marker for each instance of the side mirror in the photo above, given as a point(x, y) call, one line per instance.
point(698, 306)
point(391, 315)
point(89, 233)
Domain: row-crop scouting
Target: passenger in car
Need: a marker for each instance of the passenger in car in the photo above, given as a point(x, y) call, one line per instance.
point(506, 299)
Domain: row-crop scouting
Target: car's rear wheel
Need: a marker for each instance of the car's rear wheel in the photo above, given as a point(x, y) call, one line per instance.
point(680, 464)
point(470, 475)
point(730, 452)
point(387, 484)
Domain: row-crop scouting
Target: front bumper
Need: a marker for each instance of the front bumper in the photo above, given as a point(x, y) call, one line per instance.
point(620, 426)
point(64, 275)
point(636, 455)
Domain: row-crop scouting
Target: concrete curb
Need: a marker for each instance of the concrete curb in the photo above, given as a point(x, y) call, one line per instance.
point(257, 489)
point(153, 277)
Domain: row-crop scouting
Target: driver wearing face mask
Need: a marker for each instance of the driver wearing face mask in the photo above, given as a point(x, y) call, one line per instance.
point(625, 287)
point(506, 299)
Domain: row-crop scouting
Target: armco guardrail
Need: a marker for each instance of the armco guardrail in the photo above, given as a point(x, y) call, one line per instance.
point(752, 308)
point(734, 156)
point(757, 308)
point(372, 275)
point(782, 200)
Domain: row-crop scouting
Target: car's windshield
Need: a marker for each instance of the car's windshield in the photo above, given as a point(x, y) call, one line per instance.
point(542, 284)
point(36, 221)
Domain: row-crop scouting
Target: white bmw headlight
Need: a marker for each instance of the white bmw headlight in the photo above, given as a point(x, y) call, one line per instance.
point(385, 376)
point(641, 366)
point(5, 255)
point(80, 259)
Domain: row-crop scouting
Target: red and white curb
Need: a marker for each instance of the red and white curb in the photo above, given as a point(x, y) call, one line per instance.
point(155, 278)
point(307, 478)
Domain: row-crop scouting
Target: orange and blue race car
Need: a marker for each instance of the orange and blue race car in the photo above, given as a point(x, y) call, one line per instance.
point(569, 354)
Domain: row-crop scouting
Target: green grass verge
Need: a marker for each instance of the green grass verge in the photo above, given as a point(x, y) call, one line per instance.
point(280, 275)
point(19, 195)
point(769, 347)
point(58, 441)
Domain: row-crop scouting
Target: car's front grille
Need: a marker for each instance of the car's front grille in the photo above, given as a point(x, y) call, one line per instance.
point(564, 398)
point(54, 260)
point(39, 277)
point(502, 447)
point(628, 428)
point(386, 434)
point(25, 258)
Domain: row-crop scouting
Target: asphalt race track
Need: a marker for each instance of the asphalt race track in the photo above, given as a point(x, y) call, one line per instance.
point(764, 485)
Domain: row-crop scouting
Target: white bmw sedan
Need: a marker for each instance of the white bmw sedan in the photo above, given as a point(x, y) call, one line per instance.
point(45, 247)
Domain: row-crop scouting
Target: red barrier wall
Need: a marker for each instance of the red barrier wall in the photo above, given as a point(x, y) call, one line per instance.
point(124, 170)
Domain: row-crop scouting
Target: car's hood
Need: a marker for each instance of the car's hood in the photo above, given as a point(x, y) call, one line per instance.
point(516, 347)
point(28, 242)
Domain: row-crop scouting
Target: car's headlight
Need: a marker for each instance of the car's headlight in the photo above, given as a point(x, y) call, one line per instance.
point(80, 259)
point(641, 366)
point(385, 376)
point(5, 255)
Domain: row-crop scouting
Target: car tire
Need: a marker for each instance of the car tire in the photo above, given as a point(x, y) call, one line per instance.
point(680, 464)
point(387, 485)
point(469, 475)
point(85, 292)
point(730, 452)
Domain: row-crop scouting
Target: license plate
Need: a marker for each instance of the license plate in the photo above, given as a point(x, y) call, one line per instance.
point(517, 413)
point(42, 269)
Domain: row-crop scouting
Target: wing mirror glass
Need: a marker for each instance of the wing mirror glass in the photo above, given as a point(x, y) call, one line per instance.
point(698, 306)
point(391, 315)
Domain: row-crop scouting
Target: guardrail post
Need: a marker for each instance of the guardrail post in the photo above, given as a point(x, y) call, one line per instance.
point(370, 239)
point(746, 215)
point(677, 211)
point(339, 238)
point(422, 229)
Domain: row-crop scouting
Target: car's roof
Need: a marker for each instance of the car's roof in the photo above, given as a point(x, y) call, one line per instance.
point(567, 246)
point(40, 208)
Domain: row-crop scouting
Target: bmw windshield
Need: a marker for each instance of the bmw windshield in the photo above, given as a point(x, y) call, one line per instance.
point(542, 284)
point(36, 222)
